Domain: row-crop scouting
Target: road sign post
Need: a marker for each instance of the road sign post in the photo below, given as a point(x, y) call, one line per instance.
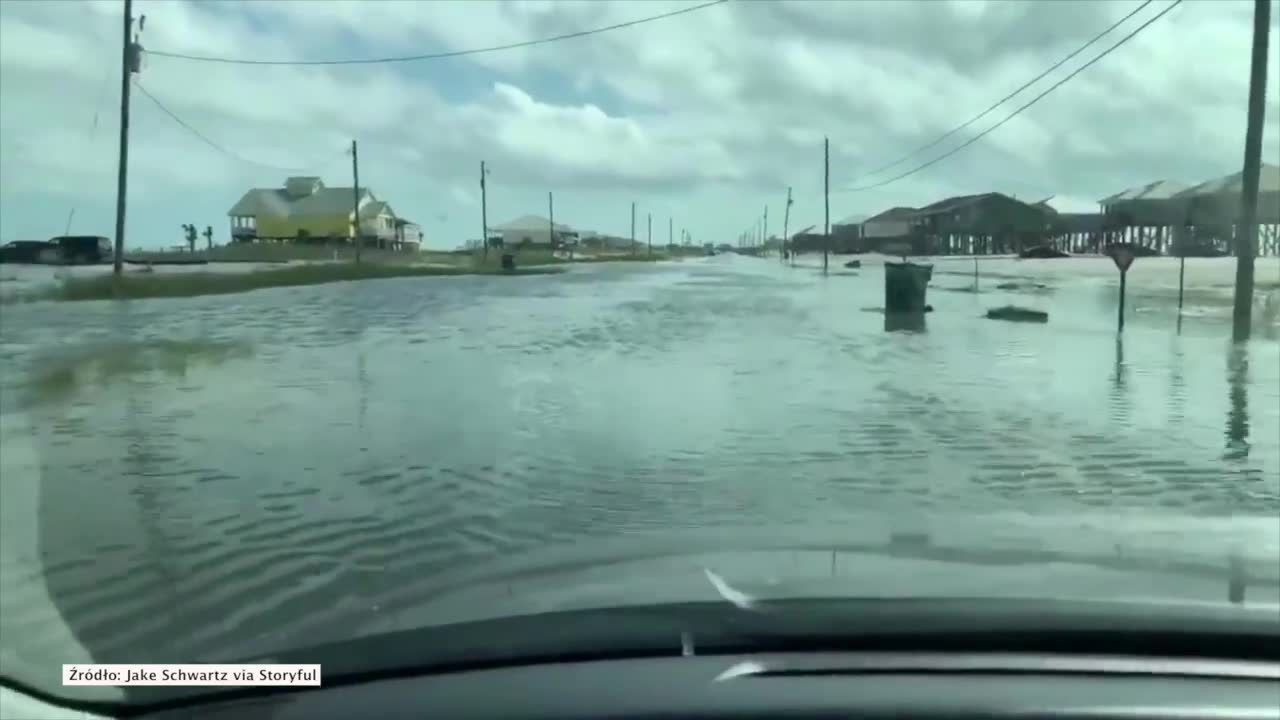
point(1122, 256)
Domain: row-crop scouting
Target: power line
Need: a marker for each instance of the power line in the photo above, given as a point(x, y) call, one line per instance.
point(211, 143)
point(1015, 113)
point(1006, 98)
point(439, 55)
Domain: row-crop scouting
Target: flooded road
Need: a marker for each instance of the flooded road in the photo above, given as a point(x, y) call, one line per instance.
point(201, 468)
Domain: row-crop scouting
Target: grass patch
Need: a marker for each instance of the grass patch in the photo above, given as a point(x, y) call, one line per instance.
point(191, 284)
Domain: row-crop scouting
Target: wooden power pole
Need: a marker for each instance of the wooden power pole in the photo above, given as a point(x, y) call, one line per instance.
point(355, 198)
point(764, 231)
point(826, 201)
point(786, 219)
point(128, 62)
point(484, 216)
point(1247, 237)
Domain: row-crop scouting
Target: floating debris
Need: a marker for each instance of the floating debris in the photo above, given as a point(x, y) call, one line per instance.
point(1042, 252)
point(1017, 314)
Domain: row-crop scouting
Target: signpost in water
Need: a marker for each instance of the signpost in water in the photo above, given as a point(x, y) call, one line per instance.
point(1122, 256)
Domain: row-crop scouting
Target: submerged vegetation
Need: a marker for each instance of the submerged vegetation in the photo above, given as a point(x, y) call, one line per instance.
point(95, 366)
point(135, 285)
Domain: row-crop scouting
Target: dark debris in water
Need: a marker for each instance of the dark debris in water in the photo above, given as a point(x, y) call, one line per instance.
point(1014, 313)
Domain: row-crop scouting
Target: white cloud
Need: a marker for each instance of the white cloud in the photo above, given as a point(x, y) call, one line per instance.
point(706, 116)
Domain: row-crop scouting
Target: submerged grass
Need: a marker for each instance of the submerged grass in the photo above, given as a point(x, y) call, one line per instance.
point(191, 284)
point(61, 378)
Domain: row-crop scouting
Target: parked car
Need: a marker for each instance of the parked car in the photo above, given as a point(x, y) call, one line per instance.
point(83, 249)
point(29, 251)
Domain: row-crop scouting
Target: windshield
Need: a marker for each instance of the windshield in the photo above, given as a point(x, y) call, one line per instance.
point(414, 313)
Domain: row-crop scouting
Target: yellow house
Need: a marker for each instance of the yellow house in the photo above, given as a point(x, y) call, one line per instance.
point(304, 209)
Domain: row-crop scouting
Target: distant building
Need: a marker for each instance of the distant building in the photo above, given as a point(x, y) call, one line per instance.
point(987, 222)
point(408, 235)
point(534, 231)
point(892, 223)
point(304, 210)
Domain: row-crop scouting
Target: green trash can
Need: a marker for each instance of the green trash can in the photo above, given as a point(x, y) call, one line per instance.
point(905, 284)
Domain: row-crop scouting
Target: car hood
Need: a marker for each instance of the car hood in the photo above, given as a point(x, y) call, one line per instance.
point(1182, 560)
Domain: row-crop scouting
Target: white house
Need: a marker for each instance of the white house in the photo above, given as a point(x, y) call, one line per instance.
point(532, 230)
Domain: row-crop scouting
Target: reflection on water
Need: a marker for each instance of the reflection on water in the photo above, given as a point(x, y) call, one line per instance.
point(908, 322)
point(253, 460)
point(69, 375)
point(1121, 404)
point(1238, 412)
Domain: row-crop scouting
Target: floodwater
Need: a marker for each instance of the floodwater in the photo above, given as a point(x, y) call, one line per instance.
point(190, 472)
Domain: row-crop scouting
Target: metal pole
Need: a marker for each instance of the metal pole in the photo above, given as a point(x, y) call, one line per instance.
point(826, 201)
point(122, 173)
point(1182, 270)
point(355, 197)
point(1123, 275)
point(484, 216)
point(1247, 237)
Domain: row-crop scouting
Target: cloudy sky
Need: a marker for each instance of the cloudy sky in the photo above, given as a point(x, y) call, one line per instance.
point(705, 118)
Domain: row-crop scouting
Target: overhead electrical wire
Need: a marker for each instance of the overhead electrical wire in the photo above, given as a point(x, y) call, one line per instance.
point(1006, 98)
point(1015, 113)
point(439, 55)
point(205, 138)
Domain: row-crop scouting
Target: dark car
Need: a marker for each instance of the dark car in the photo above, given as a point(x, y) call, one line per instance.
point(83, 249)
point(28, 251)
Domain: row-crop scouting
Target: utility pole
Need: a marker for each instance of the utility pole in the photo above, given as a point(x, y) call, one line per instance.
point(355, 198)
point(484, 216)
point(765, 229)
point(786, 219)
point(826, 202)
point(650, 216)
point(1247, 239)
point(551, 221)
point(128, 66)
point(633, 228)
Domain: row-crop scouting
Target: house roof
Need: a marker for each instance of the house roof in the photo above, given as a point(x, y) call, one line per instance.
point(902, 212)
point(1158, 190)
point(374, 209)
point(529, 222)
point(851, 220)
point(1268, 181)
point(952, 203)
point(278, 202)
